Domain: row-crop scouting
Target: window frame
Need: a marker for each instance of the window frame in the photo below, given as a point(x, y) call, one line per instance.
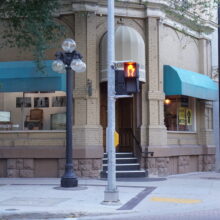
point(194, 111)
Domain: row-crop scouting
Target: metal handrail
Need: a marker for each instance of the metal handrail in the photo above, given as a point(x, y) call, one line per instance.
point(136, 140)
point(139, 145)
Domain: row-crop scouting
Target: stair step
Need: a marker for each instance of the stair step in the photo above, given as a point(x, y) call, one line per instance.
point(125, 174)
point(124, 160)
point(121, 155)
point(129, 166)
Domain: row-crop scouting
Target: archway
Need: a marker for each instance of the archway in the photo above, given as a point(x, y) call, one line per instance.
point(129, 46)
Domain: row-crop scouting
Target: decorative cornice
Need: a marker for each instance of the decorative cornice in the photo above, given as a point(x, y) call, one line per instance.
point(139, 9)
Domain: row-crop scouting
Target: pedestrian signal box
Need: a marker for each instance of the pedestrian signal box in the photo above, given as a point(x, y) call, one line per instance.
point(131, 74)
point(127, 79)
point(130, 70)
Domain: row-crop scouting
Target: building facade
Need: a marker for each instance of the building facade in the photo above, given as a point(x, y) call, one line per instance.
point(175, 124)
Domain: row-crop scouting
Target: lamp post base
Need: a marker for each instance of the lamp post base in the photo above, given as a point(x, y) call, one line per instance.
point(69, 182)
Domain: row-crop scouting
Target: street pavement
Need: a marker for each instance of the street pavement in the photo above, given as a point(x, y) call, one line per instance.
point(186, 196)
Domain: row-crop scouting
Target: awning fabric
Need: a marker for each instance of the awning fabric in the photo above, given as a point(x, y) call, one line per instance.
point(183, 82)
point(129, 46)
point(23, 76)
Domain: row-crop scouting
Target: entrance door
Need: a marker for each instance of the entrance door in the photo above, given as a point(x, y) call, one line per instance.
point(123, 123)
point(124, 119)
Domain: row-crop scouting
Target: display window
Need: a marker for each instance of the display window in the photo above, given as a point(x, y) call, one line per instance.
point(179, 113)
point(33, 111)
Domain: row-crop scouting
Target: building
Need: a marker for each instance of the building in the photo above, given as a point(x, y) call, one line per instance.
point(171, 116)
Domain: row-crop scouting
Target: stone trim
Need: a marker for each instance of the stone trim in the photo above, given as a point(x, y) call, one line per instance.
point(181, 150)
point(50, 152)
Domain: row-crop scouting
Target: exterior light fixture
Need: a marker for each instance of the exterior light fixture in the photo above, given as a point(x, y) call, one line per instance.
point(58, 66)
point(69, 45)
point(69, 62)
point(167, 101)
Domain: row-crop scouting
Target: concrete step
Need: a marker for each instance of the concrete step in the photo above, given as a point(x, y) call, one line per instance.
point(126, 174)
point(121, 155)
point(129, 166)
point(124, 160)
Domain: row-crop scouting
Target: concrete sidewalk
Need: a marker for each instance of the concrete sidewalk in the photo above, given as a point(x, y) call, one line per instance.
point(41, 198)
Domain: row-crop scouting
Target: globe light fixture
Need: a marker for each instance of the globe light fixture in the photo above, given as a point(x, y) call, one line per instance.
point(58, 66)
point(69, 61)
point(69, 45)
point(78, 65)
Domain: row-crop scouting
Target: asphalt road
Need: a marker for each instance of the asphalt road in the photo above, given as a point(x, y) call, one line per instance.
point(195, 215)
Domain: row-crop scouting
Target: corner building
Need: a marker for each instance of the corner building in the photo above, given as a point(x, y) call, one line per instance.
point(172, 116)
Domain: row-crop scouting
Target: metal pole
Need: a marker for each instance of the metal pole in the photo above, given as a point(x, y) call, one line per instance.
point(218, 144)
point(111, 193)
point(69, 179)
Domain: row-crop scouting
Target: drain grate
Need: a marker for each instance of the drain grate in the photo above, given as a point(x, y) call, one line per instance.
point(29, 201)
point(211, 178)
point(11, 210)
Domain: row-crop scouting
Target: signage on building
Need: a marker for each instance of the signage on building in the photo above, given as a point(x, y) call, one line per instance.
point(188, 116)
point(182, 116)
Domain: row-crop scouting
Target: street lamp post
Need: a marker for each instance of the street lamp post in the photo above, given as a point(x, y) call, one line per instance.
point(69, 61)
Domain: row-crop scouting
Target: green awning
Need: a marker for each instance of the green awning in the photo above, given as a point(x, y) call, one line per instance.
point(183, 82)
point(23, 76)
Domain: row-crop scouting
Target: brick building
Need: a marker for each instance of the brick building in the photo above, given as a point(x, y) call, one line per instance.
point(171, 116)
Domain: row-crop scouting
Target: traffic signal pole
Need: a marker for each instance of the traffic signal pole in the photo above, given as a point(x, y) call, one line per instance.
point(111, 195)
point(218, 139)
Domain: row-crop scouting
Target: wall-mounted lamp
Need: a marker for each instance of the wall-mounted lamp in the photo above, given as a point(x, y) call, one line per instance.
point(167, 101)
point(89, 87)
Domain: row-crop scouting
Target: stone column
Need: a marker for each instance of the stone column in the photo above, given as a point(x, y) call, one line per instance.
point(87, 129)
point(153, 131)
point(205, 123)
point(205, 107)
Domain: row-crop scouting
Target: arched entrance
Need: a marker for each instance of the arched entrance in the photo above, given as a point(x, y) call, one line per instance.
point(129, 45)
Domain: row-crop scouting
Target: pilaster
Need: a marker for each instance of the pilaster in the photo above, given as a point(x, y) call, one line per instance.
point(153, 95)
point(205, 123)
point(87, 129)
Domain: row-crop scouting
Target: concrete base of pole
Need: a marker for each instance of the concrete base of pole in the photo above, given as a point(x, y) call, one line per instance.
point(217, 166)
point(111, 198)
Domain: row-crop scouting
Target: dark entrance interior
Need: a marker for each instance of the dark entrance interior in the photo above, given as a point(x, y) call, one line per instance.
point(124, 120)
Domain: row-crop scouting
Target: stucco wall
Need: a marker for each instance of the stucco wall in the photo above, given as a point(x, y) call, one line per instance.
point(178, 49)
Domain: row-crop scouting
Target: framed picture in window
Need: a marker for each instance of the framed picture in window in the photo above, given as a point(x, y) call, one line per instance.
point(23, 102)
point(41, 102)
point(59, 101)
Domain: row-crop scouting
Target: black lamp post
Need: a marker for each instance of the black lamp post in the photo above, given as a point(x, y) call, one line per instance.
point(69, 62)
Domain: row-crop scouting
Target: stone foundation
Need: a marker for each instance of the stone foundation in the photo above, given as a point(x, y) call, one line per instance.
point(83, 167)
point(48, 167)
point(163, 166)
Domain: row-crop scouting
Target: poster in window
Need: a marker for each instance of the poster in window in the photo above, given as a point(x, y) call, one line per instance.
point(188, 116)
point(59, 101)
point(182, 116)
point(23, 102)
point(41, 102)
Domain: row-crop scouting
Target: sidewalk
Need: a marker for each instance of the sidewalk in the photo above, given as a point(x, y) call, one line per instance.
point(44, 198)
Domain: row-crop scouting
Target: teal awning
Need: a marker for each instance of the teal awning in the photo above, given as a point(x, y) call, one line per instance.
point(23, 76)
point(183, 82)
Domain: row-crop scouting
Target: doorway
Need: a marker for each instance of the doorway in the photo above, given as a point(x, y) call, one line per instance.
point(123, 122)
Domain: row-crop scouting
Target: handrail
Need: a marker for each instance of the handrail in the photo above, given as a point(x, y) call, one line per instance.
point(139, 145)
point(136, 140)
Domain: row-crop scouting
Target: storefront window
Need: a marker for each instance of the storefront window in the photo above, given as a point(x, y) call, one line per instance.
point(179, 113)
point(33, 111)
